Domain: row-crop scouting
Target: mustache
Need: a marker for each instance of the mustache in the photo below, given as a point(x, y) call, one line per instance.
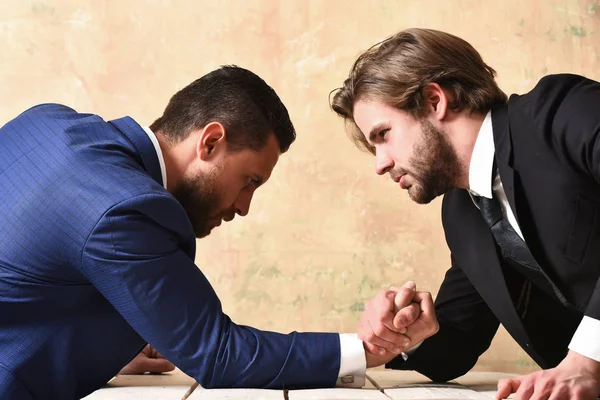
point(397, 173)
point(226, 216)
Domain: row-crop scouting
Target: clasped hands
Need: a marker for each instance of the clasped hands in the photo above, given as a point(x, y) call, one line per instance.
point(395, 321)
point(399, 319)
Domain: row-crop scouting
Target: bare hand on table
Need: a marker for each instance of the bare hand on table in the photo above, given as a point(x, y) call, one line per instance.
point(148, 360)
point(394, 321)
point(576, 377)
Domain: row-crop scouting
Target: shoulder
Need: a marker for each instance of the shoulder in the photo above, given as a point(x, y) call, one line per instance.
point(49, 117)
point(554, 90)
point(47, 110)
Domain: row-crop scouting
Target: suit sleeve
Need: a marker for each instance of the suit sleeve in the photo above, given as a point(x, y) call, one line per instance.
point(134, 258)
point(566, 108)
point(467, 327)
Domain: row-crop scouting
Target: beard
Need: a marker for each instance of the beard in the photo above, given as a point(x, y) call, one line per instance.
point(200, 197)
point(435, 165)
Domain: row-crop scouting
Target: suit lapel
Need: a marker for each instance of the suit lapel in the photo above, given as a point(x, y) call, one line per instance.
point(474, 248)
point(504, 154)
point(136, 134)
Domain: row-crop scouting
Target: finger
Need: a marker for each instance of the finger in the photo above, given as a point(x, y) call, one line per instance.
point(428, 325)
point(506, 387)
point(373, 349)
point(153, 353)
point(388, 340)
point(379, 311)
point(561, 392)
point(156, 365)
point(535, 395)
point(403, 298)
point(147, 350)
point(542, 388)
point(408, 285)
point(525, 390)
point(427, 306)
point(425, 301)
point(407, 316)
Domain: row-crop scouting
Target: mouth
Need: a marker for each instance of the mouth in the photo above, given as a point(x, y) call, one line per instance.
point(228, 218)
point(402, 181)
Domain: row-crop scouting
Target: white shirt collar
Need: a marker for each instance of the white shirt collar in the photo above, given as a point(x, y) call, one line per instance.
point(161, 160)
point(482, 160)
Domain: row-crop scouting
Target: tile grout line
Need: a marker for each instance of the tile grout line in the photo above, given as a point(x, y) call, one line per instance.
point(374, 382)
point(190, 391)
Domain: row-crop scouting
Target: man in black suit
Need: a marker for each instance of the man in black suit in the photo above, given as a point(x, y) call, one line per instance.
point(521, 210)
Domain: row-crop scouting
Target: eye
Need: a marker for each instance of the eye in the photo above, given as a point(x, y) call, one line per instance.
point(250, 181)
point(382, 133)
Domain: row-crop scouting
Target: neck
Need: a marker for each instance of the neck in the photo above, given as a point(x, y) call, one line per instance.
point(174, 163)
point(463, 135)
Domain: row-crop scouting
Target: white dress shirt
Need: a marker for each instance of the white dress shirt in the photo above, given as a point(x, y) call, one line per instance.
point(586, 340)
point(353, 363)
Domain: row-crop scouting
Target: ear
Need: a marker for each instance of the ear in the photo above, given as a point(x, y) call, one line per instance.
point(436, 101)
point(211, 141)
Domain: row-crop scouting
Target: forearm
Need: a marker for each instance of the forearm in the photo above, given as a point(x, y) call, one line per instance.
point(448, 354)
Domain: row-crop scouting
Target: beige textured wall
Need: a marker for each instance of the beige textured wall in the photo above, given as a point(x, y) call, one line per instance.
point(325, 234)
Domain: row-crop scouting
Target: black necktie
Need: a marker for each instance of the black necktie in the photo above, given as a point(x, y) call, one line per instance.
point(513, 249)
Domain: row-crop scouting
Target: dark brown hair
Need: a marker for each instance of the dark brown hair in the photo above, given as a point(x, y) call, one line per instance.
point(240, 100)
point(396, 70)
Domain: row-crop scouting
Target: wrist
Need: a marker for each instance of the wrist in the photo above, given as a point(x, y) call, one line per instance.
point(583, 363)
point(375, 360)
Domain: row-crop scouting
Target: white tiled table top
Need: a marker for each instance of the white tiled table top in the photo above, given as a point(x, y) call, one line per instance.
point(412, 385)
point(237, 394)
point(171, 386)
point(381, 385)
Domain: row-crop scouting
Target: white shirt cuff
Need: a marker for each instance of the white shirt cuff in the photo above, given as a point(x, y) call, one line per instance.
point(586, 340)
point(353, 363)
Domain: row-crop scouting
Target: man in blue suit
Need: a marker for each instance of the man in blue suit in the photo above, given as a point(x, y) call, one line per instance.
point(97, 245)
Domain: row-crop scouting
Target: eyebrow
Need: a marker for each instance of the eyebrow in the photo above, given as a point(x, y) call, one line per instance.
point(376, 129)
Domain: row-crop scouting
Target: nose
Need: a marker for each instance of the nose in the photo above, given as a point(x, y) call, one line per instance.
point(383, 163)
point(242, 204)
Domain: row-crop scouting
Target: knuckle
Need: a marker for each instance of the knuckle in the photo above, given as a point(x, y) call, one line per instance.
point(379, 330)
point(415, 312)
point(577, 392)
point(561, 387)
point(544, 385)
point(433, 328)
point(402, 339)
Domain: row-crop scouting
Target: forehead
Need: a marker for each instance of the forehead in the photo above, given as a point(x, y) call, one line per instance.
point(371, 115)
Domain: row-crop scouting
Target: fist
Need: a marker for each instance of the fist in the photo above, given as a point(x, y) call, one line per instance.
point(396, 320)
point(148, 360)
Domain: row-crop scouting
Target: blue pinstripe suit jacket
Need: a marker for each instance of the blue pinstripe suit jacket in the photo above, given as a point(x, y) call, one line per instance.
point(97, 258)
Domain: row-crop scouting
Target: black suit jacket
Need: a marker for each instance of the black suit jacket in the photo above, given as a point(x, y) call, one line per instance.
point(548, 157)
